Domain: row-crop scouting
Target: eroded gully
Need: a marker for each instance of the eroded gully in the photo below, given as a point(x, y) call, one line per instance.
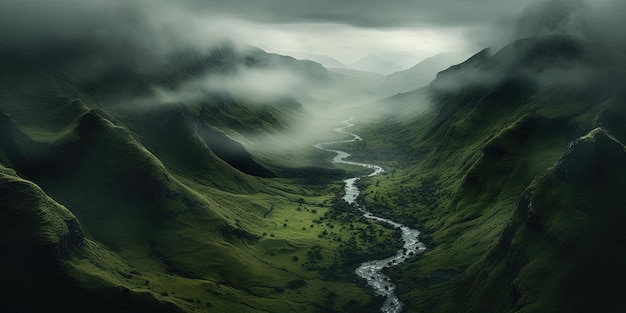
point(372, 270)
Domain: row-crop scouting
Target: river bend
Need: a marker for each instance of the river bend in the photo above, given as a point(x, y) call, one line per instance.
point(372, 270)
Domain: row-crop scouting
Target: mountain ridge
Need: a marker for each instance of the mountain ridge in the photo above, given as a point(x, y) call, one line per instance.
point(421, 74)
point(483, 142)
point(372, 63)
point(137, 186)
point(167, 224)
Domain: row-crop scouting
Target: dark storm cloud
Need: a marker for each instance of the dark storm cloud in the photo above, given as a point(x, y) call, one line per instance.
point(597, 20)
point(159, 26)
point(368, 13)
point(601, 21)
point(609, 23)
point(554, 17)
point(92, 35)
point(63, 31)
point(133, 30)
point(29, 23)
point(21, 20)
point(137, 31)
point(67, 18)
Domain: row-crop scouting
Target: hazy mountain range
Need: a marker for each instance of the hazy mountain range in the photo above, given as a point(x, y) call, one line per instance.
point(421, 74)
point(383, 64)
point(385, 78)
point(325, 60)
point(372, 63)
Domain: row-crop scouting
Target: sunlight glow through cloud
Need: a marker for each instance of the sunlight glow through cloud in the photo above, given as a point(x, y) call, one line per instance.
point(344, 42)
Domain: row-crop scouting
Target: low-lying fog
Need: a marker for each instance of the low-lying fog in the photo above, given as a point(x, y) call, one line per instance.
point(88, 38)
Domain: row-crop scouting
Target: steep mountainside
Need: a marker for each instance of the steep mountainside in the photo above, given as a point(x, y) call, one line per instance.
point(116, 195)
point(421, 74)
point(514, 175)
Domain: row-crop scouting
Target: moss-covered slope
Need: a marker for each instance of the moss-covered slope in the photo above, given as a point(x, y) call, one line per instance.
point(109, 205)
point(497, 123)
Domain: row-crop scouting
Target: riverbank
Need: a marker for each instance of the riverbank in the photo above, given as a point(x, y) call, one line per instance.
point(371, 271)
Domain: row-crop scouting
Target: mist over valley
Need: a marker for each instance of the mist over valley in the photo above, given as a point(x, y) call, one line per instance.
point(281, 156)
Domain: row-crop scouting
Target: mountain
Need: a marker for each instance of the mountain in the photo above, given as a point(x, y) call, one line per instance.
point(135, 181)
point(372, 63)
point(513, 169)
point(131, 189)
point(421, 74)
point(325, 60)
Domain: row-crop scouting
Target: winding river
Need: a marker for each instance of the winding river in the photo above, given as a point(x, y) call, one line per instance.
point(372, 270)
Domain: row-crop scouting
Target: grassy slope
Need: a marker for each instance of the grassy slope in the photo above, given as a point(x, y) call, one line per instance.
point(459, 174)
point(162, 233)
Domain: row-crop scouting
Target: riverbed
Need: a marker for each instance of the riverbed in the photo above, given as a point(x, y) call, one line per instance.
point(372, 270)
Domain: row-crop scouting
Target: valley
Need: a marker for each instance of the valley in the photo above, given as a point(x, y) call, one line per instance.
point(158, 207)
point(371, 270)
point(155, 159)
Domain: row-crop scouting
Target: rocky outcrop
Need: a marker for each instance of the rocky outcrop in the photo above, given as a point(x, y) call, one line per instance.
point(588, 159)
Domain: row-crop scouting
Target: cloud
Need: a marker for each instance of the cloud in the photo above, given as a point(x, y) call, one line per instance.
point(349, 43)
point(554, 17)
point(348, 30)
point(133, 34)
point(258, 84)
point(365, 13)
point(98, 34)
point(609, 23)
point(91, 36)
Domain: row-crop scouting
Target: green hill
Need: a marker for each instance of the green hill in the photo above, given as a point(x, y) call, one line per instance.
point(114, 201)
point(172, 184)
point(513, 172)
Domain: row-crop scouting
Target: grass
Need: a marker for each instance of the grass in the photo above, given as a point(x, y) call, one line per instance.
point(166, 225)
point(513, 218)
point(457, 173)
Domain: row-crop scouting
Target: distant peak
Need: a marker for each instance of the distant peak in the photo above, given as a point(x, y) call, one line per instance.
point(373, 63)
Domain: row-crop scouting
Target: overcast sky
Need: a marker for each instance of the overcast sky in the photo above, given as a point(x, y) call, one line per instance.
point(344, 29)
point(350, 29)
